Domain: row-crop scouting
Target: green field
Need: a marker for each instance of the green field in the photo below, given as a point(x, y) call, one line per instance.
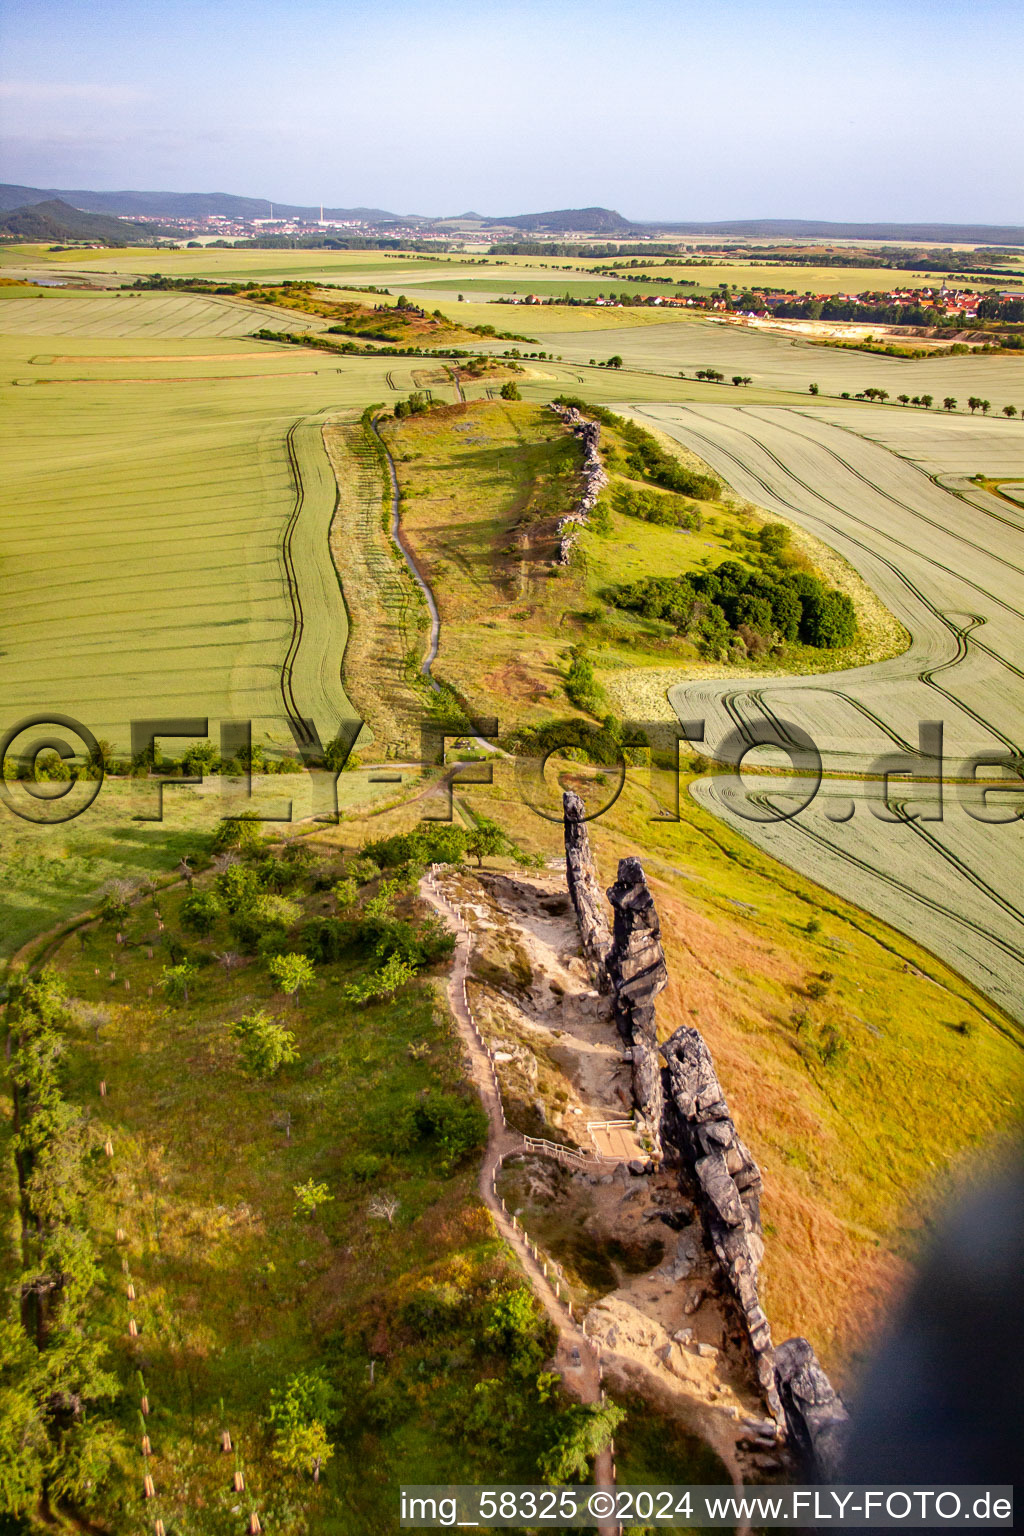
point(155, 315)
point(185, 512)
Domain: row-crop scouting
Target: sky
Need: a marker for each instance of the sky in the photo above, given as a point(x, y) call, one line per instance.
point(662, 109)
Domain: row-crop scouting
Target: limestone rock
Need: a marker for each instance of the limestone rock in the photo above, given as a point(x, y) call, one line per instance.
point(815, 1416)
point(584, 891)
point(636, 965)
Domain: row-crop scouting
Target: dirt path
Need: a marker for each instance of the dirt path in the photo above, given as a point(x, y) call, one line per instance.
point(576, 1359)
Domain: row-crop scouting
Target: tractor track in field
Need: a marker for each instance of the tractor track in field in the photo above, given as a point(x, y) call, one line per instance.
point(299, 726)
point(959, 633)
point(950, 914)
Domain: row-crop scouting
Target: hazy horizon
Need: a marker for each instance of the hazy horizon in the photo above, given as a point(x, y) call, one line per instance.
point(860, 112)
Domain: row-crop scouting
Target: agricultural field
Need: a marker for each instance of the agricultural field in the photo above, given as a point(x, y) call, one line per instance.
point(158, 316)
point(952, 571)
point(778, 362)
point(222, 593)
point(949, 445)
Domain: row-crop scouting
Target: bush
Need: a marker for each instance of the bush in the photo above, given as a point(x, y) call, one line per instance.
point(381, 984)
point(241, 832)
point(510, 391)
point(265, 1046)
point(362, 870)
point(200, 911)
point(457, 1126)
point(326, 939)
point(709, 606)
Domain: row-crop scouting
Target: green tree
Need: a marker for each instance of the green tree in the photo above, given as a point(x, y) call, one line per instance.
point(241, 832)
point(297, 1416)
point(615, 362)
point(813, 389)
point(336, 753)
point(200, 911)
point(292, 973)
point(587, 1430)
point(346, 893)
point(380, 984)
point(176, 980)
point(309, 1197)
point(265, 1046)
point(927, 401)
point(949, 403)
point(1009, 410)
point(486, 840)
point(510, 391)
point(303, 1448)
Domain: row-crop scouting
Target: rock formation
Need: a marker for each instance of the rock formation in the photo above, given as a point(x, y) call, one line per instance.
point(698, 1133)
point(815, 1417)
point(683, 1110)
point(636, 966)
point(594, 479)
point(584, 891)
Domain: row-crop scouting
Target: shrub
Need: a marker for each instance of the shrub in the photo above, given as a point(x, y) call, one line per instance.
point(458, 1126)
point(326, 939)
point(241, 832)
point(264, 1045)
point(292, 973)
point(362, 870)
point(380, 984)
point(309, 1197)
point(200, 911)
point(510, 391)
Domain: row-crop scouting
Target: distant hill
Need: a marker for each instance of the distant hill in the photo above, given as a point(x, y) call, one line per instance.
point(770, 229)
point(184, 205)
point(57, 221)
point(173, 206)
point(587, 221)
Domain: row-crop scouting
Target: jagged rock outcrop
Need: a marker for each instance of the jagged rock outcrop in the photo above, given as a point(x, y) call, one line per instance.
point(816, 1419)
point(683, 1109)
point(594, 479)
point(636, 966)
point(584, 891)
point(698, 1133)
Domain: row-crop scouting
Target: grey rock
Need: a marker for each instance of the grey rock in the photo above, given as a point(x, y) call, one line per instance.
point(636, 966)
point(636, 1167)
point(816, 1417)
point(585, 892)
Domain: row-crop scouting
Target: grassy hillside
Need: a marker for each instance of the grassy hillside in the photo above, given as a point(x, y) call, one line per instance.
point(290, 1252)
point(483, 487)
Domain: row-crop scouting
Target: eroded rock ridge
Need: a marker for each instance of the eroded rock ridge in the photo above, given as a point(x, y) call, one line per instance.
point(594, 479)
point(682, 1110)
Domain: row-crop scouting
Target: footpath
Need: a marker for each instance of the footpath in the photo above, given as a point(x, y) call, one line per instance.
point(576, 1359)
